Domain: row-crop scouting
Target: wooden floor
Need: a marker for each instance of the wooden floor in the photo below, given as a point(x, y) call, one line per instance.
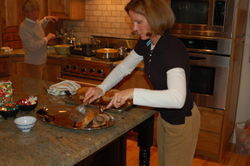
point(231, 158)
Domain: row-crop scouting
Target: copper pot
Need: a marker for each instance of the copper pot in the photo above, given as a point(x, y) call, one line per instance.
point(108, 53)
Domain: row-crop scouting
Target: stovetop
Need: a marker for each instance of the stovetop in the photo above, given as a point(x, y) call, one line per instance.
point(87, 67)
point(95, 59)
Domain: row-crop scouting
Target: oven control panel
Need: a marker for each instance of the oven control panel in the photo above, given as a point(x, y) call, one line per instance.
point(86, 68)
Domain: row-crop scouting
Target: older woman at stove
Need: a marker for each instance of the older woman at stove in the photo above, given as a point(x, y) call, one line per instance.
point(167, 67)
point(34, 41)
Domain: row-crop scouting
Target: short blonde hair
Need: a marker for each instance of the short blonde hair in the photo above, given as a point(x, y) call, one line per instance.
point(157, 12)
point(30, 5)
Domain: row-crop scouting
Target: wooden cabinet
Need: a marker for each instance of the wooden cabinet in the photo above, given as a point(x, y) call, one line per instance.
point(136, 80)
point(209, 141)
point(4, 65)
point(67, 9)
point(54, 69)
point(16, 63)
point(10, 18)
point(13, 12)
point(11, 37)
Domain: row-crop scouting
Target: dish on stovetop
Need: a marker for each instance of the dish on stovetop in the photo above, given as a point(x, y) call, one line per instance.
point(63, 118)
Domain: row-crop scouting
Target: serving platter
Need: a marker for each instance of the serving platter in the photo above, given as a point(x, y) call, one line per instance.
point(61, 118)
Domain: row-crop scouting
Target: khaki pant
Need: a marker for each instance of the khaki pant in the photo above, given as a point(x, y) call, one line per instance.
point(34, 71)
point(177, 143)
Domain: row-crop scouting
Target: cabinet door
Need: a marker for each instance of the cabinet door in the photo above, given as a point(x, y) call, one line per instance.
point(54, 69)
point(13, 13)
point(67, 9)
point(59, 8)
point(4, 65)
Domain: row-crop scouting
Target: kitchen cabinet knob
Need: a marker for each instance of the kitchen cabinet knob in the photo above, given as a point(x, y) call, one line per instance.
point(92, 70)
point(100, 71)
point(84, 70)
point(75, 67)
point(67, 67)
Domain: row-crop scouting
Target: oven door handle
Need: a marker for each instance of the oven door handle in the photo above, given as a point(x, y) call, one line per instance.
point(197, 58)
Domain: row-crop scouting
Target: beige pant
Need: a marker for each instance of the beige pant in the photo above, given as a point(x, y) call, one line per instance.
point(176, 143)
point(34, 71)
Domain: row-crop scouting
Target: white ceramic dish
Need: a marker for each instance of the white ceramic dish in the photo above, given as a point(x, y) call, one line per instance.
point(25, 123)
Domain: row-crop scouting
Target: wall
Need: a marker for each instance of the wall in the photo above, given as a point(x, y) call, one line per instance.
point(243, 108)
point(2, 24)
point(103, 17)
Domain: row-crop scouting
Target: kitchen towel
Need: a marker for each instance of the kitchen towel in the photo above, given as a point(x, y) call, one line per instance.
point(61, 87)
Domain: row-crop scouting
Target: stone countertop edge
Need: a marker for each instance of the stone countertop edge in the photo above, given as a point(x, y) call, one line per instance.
point(20, 52)
point(54, 146)
point(50, 145)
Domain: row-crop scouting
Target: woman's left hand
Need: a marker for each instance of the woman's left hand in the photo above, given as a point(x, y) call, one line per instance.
point(120, 98)
point(52, 18)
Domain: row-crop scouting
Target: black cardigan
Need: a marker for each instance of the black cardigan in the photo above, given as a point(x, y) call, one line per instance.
point(168, 53)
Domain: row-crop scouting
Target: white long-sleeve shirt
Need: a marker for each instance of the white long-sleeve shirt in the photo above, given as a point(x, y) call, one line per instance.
point(173, 97)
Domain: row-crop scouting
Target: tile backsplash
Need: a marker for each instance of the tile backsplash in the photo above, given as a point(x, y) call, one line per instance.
point(102, 18)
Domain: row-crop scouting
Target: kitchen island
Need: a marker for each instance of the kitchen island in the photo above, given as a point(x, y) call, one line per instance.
point(48, 145)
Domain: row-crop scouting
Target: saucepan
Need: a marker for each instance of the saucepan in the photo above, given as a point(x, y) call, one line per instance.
point(108, 53)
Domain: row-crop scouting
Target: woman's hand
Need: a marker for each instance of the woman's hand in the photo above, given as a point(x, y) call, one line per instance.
point(120, 98)
point(52, 18)
point(92, 94)
point(50, 36)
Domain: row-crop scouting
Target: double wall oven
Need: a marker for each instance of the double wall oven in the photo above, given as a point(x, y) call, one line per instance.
point(209, 65)
point(205, 27)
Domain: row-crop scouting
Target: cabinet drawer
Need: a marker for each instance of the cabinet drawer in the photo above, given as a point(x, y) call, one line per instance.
point(208, 142)
point(211, 120)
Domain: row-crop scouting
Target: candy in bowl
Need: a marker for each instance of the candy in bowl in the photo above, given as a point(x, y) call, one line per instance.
point(25, 123)
point(8, 110)
point(27, 104)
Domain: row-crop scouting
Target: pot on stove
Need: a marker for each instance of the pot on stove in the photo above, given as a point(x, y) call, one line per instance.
point(83, 49)
point(108, 53)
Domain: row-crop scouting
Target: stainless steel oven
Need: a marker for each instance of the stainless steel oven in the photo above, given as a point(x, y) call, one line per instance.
point(209, 68)
point(208, 79)
point(203, 17)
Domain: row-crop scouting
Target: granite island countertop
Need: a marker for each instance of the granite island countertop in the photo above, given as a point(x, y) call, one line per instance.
point(55, 146)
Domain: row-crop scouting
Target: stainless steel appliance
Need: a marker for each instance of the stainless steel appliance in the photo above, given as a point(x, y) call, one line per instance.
point(209, 60)
point(85, 66)
point(203, 17)
point(88, 71)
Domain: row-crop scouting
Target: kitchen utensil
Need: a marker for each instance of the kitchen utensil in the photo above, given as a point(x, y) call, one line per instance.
point(108, 53)
point(83, 49)
point(25, 123)
point(62, 49)
point(102, 108)
point(43, 113)
point(73, 99)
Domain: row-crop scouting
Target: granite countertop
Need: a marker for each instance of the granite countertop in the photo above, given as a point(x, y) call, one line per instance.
point(52, 54)
point(55, 146)
point(20, 52)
